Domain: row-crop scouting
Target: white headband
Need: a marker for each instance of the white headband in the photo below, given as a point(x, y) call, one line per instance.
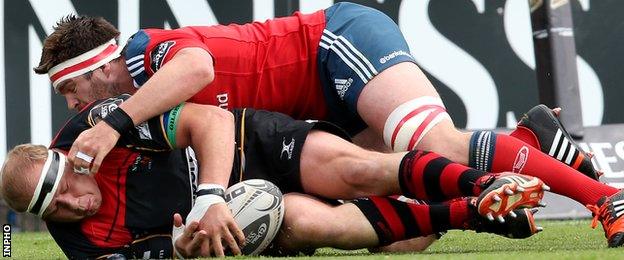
point(51, 175)
point(84, 63)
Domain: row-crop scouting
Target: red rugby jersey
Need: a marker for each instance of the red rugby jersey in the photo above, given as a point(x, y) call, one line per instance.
point(270, 65)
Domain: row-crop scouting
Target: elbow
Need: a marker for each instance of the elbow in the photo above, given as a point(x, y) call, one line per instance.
point(202, 75)
point(206, 74)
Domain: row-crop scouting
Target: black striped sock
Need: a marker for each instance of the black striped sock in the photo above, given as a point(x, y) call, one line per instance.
point(429, 176)
point(394, 220)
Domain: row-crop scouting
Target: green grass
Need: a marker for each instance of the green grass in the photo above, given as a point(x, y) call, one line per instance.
point(561, 239)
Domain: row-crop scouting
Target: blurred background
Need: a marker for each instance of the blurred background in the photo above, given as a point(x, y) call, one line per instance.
point(478, 53)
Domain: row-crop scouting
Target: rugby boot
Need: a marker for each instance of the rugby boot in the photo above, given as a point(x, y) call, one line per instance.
point(555, 141)
point(518, 224)
point(610, 212)
point(504, 192)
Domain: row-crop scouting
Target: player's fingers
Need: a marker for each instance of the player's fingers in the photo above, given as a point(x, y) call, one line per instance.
point(216, 246)
point(196, 244)
point(177, 220)
point(81, 167)
point(95, 166)
point(230, 242)
point(191, 228)
point(238, 233)
point(71, 155)
point(178, 227)
point(205, 246)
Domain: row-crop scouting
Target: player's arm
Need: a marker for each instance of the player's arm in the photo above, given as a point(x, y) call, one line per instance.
point(188, 71)
point(185, 74)
point(209, 130)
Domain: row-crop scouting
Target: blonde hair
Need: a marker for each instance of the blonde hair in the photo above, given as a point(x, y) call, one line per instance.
point(17, 184)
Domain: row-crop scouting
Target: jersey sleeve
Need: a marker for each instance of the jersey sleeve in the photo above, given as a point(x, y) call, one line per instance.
point(149, 136)
point(148, 50)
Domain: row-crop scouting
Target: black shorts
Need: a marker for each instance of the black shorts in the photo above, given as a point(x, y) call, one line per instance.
point(271, 147)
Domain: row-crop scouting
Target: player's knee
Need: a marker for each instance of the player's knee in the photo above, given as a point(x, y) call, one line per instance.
point(448, 142)
point(408, 124)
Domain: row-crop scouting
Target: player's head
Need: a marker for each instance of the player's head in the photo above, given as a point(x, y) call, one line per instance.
point(84, 62)
point(40, 181)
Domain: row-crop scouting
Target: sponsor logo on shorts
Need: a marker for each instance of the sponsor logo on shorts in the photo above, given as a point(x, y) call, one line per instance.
point(158, 55)
point(393, 55)
point(342, 85)
point(287, 148)
point(521, 159)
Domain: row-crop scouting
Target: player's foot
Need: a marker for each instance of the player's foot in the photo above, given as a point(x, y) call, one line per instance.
point(518, 224)
point(610, 212)
point(502, 193)
point(555, 141)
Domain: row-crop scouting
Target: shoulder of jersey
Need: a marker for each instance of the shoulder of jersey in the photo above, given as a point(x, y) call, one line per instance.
point(135, 57)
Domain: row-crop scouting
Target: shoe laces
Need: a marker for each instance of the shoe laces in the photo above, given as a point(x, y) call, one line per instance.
point(485, 182)
point(604, 214)
point(597, 212)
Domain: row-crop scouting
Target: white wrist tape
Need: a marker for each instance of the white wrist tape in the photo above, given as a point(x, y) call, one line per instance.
point(205, 186)
point(203, 202)
point(201, 205)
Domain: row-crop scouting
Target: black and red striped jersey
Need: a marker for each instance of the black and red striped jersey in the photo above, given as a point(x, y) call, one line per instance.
point(143, 182)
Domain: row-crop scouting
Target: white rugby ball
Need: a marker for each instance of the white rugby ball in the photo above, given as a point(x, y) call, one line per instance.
point(258, 208)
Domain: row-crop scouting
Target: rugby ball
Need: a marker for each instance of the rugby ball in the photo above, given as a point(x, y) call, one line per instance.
point(258, 209)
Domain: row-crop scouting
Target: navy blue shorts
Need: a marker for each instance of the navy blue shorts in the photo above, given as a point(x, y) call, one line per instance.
point(357, 44)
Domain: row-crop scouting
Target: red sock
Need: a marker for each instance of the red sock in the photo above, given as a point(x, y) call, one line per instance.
point(394, 220)
point(499, 153)
point(429, 176)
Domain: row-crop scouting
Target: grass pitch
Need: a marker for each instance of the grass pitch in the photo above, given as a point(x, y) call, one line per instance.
point(560, 240)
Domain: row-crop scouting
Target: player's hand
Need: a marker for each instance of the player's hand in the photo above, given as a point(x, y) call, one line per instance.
point(90, 148)
point(186, 240)
point(219, 224)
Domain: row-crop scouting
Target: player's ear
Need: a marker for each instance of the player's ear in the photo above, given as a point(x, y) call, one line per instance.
point(106, 68)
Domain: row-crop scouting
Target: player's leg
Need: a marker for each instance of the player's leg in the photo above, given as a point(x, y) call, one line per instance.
point(395, 99)
point(370, 140)
point(334, 168)
point(379, 221)
point(310, 223)
point(304, 157)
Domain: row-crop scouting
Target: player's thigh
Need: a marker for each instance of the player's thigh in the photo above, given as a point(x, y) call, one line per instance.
point(392, 87)
point(371, 140)
point(367, 70)
point(326, 160)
